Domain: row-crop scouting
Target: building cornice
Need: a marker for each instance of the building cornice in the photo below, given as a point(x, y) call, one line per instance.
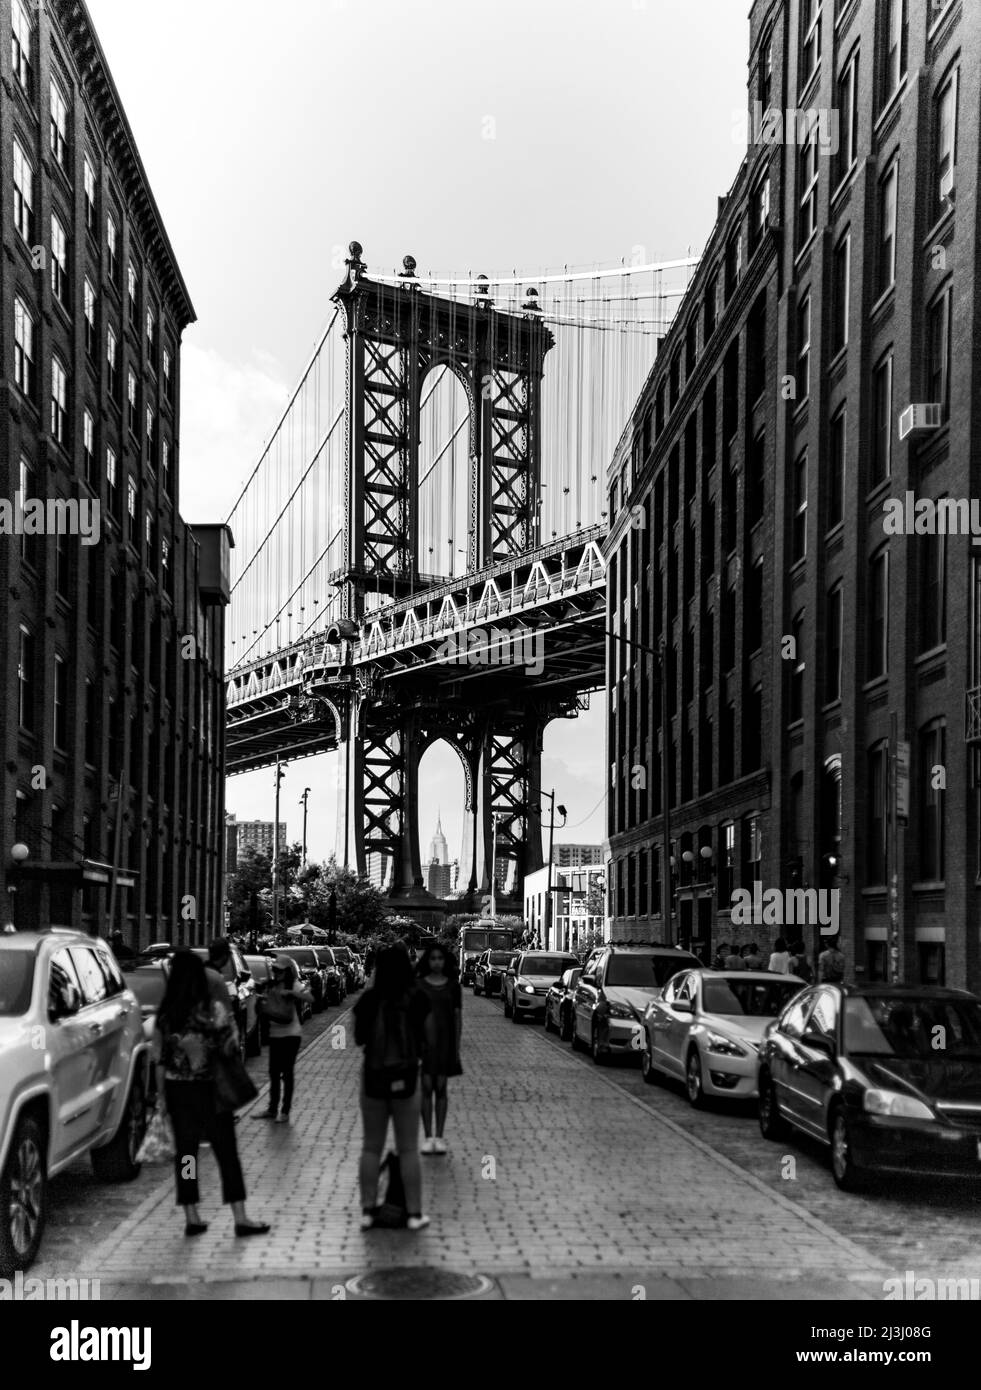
point(100, 91)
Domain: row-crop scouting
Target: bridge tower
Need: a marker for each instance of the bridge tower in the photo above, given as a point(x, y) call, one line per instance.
point(395, 334)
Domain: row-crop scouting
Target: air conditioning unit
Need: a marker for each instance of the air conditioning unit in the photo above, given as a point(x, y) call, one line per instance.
point(918, 419)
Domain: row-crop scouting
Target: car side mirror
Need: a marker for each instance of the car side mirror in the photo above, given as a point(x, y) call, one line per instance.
point(819, 1042)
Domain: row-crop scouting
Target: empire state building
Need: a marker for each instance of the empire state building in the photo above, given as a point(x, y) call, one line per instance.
point(439, 870)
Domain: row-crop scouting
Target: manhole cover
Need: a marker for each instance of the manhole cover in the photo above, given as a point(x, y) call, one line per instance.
point(418, 1282)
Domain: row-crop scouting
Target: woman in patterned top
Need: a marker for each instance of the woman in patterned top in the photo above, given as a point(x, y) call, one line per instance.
point(193, 1029)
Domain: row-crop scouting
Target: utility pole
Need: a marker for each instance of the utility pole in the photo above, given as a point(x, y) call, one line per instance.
point(493, 901)
point(280, 774)
point(551, 848)
point(303, 802)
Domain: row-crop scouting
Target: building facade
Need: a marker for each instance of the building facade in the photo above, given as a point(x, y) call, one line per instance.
point(258, 837)
point(578, 856)
point(578, 896)
point(112, 643)
point(821, 660)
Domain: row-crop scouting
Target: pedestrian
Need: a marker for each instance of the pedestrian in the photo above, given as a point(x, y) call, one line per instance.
point(751, 957)
point(798, 964)
point(719, 959)
point(193, 1029)
point(779, 963)
point(831, 963)
point(285, 995)
point(734, 960)
point(120, 950)
point(392, 1023)
point(439, 979)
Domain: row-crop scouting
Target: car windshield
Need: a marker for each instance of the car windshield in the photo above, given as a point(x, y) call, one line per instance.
point(890, 1025)
point(16, 982)
point(302, 955)
point(641, 971)
point(259, 966)
point(734, 997)
point(325, 956)
point(552, 966)
point(342, 953)
point(498, 958)
point(499, 938)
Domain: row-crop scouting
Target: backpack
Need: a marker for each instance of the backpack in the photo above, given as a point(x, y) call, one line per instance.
point(391, 1063)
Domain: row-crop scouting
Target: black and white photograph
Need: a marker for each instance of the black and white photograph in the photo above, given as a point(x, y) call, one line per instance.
point(490, 554)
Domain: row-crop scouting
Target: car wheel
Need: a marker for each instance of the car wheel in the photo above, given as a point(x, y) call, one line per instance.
point(772, 1123)
point(846, 1173)
point(599, 1055)
point(116, 1161)
point(476, 989)
point(23, 1198)
point(693, 1080)
point(549, 1025)
point(648, 1070)
point(577, 1044)
point(515, 1013)
point(507, 1007)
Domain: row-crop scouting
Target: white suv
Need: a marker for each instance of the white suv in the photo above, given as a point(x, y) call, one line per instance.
point(73, 1075)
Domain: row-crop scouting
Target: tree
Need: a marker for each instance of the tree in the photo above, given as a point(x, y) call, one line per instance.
point(360, 905)
point(253, 876)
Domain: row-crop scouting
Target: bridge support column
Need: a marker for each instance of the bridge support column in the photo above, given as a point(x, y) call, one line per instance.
point(510, 788)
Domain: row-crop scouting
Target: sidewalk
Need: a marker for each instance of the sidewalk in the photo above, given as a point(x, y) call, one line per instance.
point(557, 1184)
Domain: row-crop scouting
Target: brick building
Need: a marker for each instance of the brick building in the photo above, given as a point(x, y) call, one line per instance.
point(819, 670)
point(111, 652)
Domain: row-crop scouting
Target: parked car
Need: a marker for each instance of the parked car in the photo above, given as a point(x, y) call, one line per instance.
point(147, 978)
point(613, 991)
point(261, 968)
point(528, 979)
point(887, 1076)
point(706, 1027)
point(345, 958)
point(362, 973)
point(335, 976)
point(559, 1004)
point(311, 971)
point(242, 998)
point(74, 1068)
point(489, 972)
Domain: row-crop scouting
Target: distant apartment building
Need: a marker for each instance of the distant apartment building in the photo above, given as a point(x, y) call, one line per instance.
point(258, 837)
point(574, 856)
point(808, 709)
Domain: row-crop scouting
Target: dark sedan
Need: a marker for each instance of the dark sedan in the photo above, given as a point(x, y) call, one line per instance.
point(489, 972)
point(888, 1077)
point(559, 1004)
point(335, 976)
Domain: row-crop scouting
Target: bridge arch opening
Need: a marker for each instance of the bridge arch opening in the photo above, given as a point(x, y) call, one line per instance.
point(443, 820)
point(444, 474)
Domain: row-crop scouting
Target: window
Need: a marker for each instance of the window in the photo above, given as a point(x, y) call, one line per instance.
point(945, 151)
point(759, 213)
point(112, 491)
point(150, 535)
point(797, 668)
point(30, 545)
point(888, 189)
point(165, 564)
point(60, 704)
point(88, 445)
point(881, 421)
point(112, 360)
point(691, 349)
point(151, 337)
point(764, 84)
point(26, 692)
point(132, 294)
point(151, 436)
point(165, 465)
point(168, 376)
point(800, 509)
point(24, 374)
point(21, 46)
point(752, 850)
point(879, 614)
point(131, 509)
point(810, 28)
point(836, 469)
point(804, 348)
point(59, 125)
point(807, 189)
point(933, 591)
point(727, 864)
point(674, 384)
point(841, 275)
point(59, 400)
point(848, 117)
point(931, 800)
point(734, 262)
point(876, 818)
point(895, 31)
point(23, 195)
point(711, 303)
point(90, 975)
point(938, 335)
point(112, 249)
point(88, 184)
point(59, 261)
point(833, 633)
point(132, 400)
point(88, 309)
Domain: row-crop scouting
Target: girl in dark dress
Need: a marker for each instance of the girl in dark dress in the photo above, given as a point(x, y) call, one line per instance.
point(439, 981)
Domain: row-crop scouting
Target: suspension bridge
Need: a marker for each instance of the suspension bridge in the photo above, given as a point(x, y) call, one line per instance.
point(419, 548)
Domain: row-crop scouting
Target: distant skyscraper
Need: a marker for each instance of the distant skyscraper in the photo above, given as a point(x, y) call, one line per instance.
point(438, 849)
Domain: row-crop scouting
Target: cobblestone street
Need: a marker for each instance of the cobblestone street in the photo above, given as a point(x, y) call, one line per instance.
point(562, 1180)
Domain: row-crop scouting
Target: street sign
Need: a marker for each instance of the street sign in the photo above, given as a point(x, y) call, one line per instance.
point(902, 783)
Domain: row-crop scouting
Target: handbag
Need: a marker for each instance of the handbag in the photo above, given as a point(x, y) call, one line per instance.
point(278, 1006)
point(234, 1086)
point(158, 1144)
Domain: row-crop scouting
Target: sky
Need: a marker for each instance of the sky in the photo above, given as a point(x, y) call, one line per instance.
point(527, 134)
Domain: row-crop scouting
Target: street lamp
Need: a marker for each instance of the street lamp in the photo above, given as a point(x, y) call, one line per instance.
point(303, 802)
point(19, 853)
point(550, 797)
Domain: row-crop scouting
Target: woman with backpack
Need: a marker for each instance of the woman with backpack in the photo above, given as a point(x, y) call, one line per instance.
point(194, 1029)
point(280, 1006)
point(438, 979)
point(392, 1024)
